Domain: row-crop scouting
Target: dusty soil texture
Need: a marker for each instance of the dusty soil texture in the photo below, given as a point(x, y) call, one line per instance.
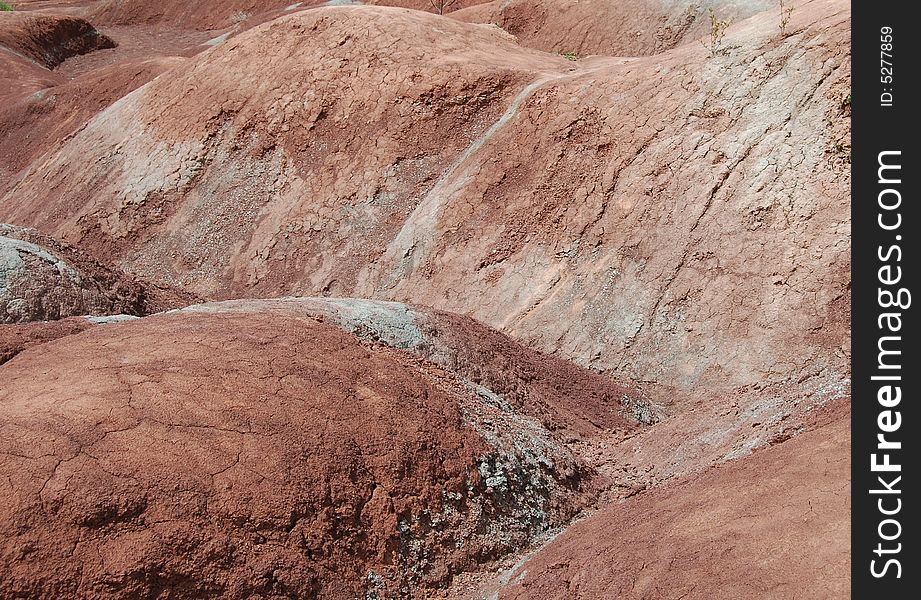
point(223, 14)
point(215, 14)
point(423, 5)
point(533, 325)
point(253, 453)
point(713, 536)
point(70, 7)
point(562, 397)
point(559, 393)
point(42, 279)
point(22, 76)
point(603, 238)
point(40, 107)
point(49, 39)
point(33, 123)
point(137, 44)
point(22, 52)
point(17, 337)
point(607, 27)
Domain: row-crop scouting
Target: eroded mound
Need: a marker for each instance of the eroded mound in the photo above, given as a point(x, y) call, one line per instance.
point(41, 280)
point(273, 126)
point(215, 14)
point(259, 454)
point(253, 172)
point(656, 217)
point(556, 392)
point(22, 76)
point(775, 525)
point(49, 39)
point(33, 124)
point(608, 27)
point(14, 338)
point(221, 14)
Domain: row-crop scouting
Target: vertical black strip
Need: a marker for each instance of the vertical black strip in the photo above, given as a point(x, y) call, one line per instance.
point(885, 273)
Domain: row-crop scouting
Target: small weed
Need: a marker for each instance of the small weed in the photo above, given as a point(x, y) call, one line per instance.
point(846, 102)
point(785, 13)
point(4, 7)
point(569, 55)
point(441, 5)
point(843, 152)
point(239, 17)
point(718, 29)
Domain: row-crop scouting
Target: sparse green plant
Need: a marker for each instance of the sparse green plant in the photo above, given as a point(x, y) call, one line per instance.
point(239, 17)
point(843, 151)
point(786, 12)
point(441, 5)
point(718, 29)
point(569, 55)
point(846, 101)
point(4, 7)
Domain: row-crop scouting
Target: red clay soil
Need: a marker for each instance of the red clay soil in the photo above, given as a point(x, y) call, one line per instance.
point(35, 124)
point(30, 44)
point(43, 279)
point(560, 394)
point(475, 90)
point(653, 218)
point(774, 525)
point(695, 436)
point(22, 76)
point(75, 7)
point(221, 14)
point(606, 27)
point(137, 44)
point(232, 455)
point(201, 16)
point(594, 221)
point(16, 338)
point(450, 6)
point(571, 401)
point(49, 39)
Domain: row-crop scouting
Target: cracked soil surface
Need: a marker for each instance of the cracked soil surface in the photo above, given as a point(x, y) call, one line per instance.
point(535, 299)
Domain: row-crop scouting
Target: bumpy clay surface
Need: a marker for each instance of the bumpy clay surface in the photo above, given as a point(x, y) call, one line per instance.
point(535, 299)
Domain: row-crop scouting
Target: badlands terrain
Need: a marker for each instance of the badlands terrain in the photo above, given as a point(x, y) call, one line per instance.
point(530, 299)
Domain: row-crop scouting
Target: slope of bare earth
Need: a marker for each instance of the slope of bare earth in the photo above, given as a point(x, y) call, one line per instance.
point(318, 122)
point(49, 39)
point(216, 14)
point(774, 525)
point(629, 213)
point(38, 106)
point(248, 450)
point(560, 395)
point(608, 27)
point(450, 6)
point(42, 279)
point(14, 338)
point(680, 218)
point(32, 123)
point(70, 7)
point(22, 76)
point(30, 45)
point(219, 14)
